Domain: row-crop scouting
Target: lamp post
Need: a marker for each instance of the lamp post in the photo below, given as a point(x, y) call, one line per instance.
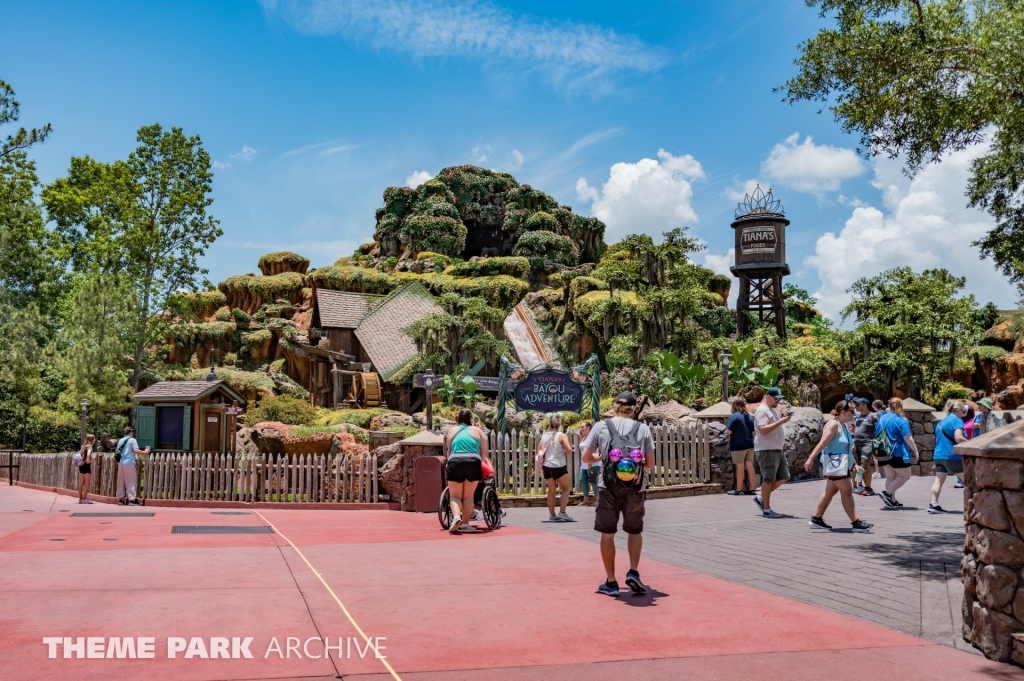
point(85, 408)
point(725, 374)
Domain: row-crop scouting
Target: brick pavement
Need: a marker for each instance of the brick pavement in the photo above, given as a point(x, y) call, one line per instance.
point(903, 575)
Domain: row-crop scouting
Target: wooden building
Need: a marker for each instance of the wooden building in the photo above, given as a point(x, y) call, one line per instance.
point(185, 416)
point(354, 335)
point(337, 315)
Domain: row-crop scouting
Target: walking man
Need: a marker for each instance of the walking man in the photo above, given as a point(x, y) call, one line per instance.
point(949, 432)
point(627, 449)
point(127, 448)
point(769, 439)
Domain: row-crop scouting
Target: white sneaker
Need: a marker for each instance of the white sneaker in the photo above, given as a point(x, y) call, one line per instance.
point(565, 517)
point(476, 515)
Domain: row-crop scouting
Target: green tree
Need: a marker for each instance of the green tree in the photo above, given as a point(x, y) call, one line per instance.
point(909, 330)
point(95, 342)
point(918, 79)
point(29, 272)
point(23, 335)
point(145, 217)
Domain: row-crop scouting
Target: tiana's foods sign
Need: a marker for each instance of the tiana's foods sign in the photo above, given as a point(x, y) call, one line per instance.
point(758, 239)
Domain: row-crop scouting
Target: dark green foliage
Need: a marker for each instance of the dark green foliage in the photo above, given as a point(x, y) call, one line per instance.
point(513, 267)
point(283, 408)
point(544, 245)
point(917, 80)
point(439, 214)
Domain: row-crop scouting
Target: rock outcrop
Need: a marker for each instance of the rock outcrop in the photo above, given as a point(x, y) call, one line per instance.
point(269, 436)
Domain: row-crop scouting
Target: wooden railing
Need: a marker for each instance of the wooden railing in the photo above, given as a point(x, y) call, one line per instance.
point(682, 456)
point(186, 476)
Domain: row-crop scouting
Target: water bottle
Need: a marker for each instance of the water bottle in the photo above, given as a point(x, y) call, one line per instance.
point(860, 478)
point(906, 455)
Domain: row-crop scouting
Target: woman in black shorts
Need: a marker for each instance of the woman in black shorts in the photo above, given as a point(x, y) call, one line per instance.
point(836, 451)
point(85, 470)
point(553, 458)
point(466, 447)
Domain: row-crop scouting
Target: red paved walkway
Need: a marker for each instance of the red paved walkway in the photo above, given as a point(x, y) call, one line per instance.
point(515, 604)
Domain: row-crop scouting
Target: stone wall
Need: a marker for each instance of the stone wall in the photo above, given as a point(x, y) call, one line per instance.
point(397, 477)
point(992, 568)
point(922, 427)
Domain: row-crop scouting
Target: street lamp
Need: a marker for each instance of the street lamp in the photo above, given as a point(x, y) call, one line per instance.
point(85, 408)
point(725, 374)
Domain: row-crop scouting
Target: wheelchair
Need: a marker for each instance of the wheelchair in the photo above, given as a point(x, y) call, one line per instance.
point(486, 497)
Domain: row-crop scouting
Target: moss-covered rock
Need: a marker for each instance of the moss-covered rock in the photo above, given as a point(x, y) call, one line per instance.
point(283, 261)
point(249, 292)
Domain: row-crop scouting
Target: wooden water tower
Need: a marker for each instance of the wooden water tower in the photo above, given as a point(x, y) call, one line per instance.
point(760, 226)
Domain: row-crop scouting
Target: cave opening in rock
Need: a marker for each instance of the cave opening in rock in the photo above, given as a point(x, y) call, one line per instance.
point(484, 240)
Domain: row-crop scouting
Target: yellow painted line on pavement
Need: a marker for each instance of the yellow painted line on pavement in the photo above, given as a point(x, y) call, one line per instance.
point(337, 600)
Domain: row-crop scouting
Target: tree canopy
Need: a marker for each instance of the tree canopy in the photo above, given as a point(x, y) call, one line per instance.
point(917, 79)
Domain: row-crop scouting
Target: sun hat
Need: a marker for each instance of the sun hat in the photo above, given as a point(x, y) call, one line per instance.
point(987, 403)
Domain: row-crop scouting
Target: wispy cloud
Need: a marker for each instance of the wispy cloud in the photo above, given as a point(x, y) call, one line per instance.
point(221, 166)
point(574, 56)
point(246, 154)
point(307, 147)
point(335, 150)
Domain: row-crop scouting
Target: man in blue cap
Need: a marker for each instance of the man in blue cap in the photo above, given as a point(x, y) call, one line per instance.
point(769, 439)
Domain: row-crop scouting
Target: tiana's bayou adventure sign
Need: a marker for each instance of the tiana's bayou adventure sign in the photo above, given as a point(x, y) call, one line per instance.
point(549, 390)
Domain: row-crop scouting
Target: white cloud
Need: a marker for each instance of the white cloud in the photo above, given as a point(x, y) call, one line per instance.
point(649, 196)
point(335, 150)
point(571, 54)
point(720, 264)
point(417, 178)
point(741, 193)
point(246, 154)
point(222, 166)
point(923, 224)
point(809, 167)
point(479, 153)
point(515, 162)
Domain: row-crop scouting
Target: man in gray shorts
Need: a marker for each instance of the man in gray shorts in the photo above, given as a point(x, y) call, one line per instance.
point(769, 438)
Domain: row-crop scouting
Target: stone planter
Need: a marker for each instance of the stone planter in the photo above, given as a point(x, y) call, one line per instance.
point(993, 562)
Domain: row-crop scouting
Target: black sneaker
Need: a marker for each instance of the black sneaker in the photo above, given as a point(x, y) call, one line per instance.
point(759, 502)
point(819, 522)
point(861, 526)
point(135, 502)
point(887, 499)
point(935, 508)
point(609, 588)
point(634, 583)
point(895, 503)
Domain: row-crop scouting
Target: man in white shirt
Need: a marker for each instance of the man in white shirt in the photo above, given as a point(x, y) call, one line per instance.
point(769, 439)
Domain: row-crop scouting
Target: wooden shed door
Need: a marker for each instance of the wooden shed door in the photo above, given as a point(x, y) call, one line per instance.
point(213, 423)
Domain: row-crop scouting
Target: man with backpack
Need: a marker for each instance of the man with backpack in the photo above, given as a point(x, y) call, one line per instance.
point(124, 454)
point(864, 432)
point(625, 450)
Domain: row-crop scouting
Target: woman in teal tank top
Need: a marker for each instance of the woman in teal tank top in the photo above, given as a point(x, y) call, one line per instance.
point(836, 452)
point(466, 447)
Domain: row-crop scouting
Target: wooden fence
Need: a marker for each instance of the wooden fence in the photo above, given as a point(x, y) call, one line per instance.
point(304, 478)
point(681, 456)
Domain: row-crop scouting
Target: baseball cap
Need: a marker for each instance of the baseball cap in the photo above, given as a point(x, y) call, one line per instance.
point(627, 398)
point(862, 400)
point(774, 392)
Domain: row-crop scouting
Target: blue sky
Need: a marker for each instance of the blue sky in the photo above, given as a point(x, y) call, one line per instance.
point(648, 115)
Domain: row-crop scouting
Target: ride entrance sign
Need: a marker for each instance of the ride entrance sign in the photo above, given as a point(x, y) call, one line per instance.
point(548, 391)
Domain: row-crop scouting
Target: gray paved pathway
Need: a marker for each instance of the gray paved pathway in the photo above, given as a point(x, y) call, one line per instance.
point(903, 575)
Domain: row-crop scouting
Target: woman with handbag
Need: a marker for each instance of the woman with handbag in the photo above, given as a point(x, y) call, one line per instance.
point(836, 451)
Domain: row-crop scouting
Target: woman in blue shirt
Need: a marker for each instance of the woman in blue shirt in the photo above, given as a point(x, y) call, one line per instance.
point(740, 430)
point(836, 451)
point(904, 450)
point(948, 432)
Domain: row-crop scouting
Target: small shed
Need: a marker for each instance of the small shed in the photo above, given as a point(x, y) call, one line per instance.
point(720, 411)
point(189, 416)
